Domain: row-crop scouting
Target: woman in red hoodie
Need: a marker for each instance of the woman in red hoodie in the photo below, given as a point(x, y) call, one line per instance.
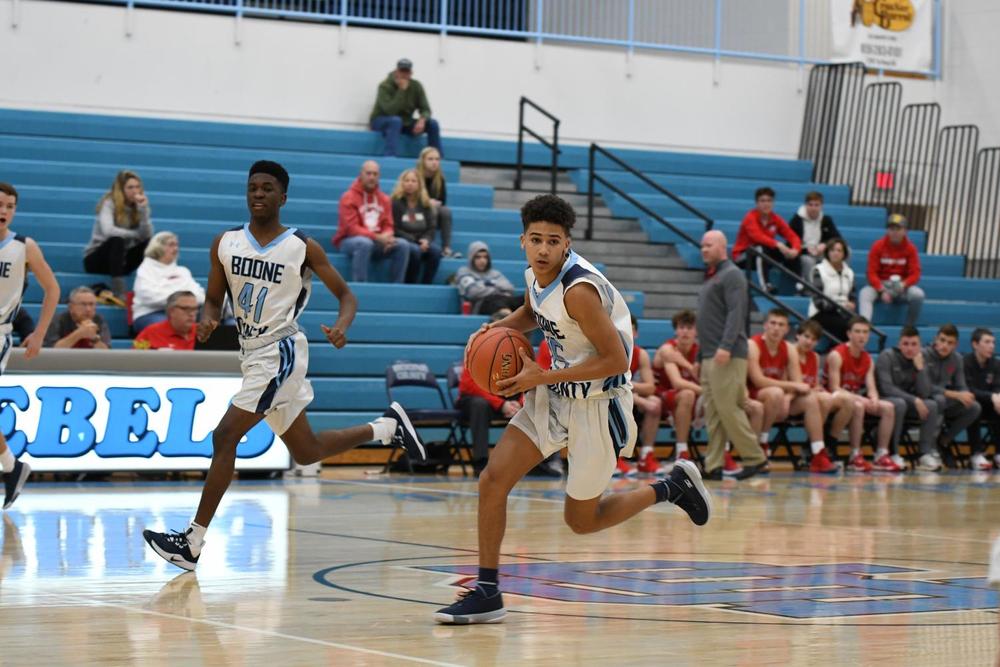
point(893, 273)
point(365, 229)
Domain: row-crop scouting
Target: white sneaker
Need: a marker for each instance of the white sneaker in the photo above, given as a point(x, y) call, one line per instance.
point(980, 462)
point(929, 463)
point(899, 460)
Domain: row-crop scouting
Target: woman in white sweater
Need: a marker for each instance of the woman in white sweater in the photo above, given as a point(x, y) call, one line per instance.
point(158, 277)
point(121, 231)
point(835, 279)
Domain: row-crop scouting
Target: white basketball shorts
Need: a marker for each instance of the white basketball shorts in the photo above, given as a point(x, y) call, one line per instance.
point(274, 381)
point(596, 431)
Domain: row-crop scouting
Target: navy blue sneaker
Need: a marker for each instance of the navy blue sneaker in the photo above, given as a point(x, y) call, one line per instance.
point(473, 607)
point(689, 493)
point(13, 482)
point(405, 435)
point(172, 547)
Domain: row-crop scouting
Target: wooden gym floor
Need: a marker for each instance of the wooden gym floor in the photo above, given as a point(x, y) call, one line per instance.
point(347, 570)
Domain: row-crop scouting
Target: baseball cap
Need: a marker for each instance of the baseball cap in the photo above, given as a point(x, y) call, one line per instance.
point(895, 220)
point(404, 64)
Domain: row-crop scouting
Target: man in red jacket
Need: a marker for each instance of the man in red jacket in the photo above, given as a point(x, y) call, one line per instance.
point(365, 229)
point(760, 229)
point(479, 408)
point(893, 273)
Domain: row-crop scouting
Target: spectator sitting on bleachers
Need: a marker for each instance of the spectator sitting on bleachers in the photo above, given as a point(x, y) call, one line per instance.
point(177, 331)
point(982, 375)
point(365, 229)
point(677, 370)
point(429, 171)
point(79, 326)
point(815, 230)
point(835, 279)
point(838, 408)
point(849, 369)
point(158, 277)
point(759, 229)
point(647, 403)
point(120, 234)
point(415, 227)
point(957, 406)
point(485, 288)
point(479, 408)
point(774, 378)
point(901, 372)
point(893, 273)
point(399, 97)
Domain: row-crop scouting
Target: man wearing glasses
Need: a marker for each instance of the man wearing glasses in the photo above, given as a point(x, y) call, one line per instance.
point(177, 331)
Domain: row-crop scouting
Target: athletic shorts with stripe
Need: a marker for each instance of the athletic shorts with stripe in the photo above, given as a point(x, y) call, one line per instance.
point(6, 347)
point(274, 381)
point(595, 430)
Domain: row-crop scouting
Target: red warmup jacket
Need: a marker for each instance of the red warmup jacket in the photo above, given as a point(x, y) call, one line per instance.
point(752, 232)
point(351, 215)
point(886, 260)
point(468, 387)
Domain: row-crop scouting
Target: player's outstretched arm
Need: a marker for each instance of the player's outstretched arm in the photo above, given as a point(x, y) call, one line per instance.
point(317, 260)
point(50, 286)
point(215, 293)
point(584, 305)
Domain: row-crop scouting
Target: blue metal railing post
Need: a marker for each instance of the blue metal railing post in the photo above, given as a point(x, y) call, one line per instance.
point(936, 66)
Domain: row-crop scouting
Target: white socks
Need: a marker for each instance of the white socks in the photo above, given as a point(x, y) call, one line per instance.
point(646, 449)
point(817, 446)
point(196, 537)
point(7, 460)
point(382, 429)
point(764, 437)
point(855, 453)
point(880, 453)
point(681, 447)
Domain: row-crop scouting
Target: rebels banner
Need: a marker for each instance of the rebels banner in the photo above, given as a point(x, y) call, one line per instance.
point(884, 34)
point(106, 422)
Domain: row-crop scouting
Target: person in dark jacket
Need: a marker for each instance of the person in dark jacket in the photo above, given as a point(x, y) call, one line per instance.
point(982, 375)
point(901, 372)
point(415, 227)
point(399, 97)
point(815, 229)
point(956, 404)
point(429, 170)
point(484, 287)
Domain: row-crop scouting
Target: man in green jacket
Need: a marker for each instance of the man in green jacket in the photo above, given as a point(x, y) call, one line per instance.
point(399, 95)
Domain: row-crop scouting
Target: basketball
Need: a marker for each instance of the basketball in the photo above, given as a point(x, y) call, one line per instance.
point(493, 356)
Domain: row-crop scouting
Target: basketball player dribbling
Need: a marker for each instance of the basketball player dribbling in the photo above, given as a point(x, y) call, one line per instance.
point(584, 402)
point(18, 255)
point(267, 270)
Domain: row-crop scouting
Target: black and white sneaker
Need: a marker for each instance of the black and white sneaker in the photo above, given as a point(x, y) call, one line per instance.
point(473, 606)
point(13, 482)
point(172, 547)
point(406, 436)
point(689, 493)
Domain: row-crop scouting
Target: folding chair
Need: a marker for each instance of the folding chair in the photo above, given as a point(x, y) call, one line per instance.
point(417, 375)
point(781, 439)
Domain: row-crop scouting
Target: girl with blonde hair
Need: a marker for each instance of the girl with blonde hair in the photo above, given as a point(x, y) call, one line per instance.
point(429, 171)
point(121, 232)
point(416, 225)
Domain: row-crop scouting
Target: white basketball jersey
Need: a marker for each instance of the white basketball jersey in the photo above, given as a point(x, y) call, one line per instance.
point(13, 278)
point(268, 286)
point(566, 341)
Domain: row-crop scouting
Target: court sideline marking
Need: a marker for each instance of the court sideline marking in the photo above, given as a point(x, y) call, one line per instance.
point(452, 492)
point(260, 631)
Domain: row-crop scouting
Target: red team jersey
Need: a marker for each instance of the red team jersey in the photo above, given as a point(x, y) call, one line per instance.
point(772, 366)
point(853, 371)
point(663, 382)
point(809, 365)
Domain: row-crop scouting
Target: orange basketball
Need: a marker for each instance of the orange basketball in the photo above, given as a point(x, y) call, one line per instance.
point(493, 356)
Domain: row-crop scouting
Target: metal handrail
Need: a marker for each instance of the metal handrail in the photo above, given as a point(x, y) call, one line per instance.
point(752, 252)
point(593, 177)
point(554, 146)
